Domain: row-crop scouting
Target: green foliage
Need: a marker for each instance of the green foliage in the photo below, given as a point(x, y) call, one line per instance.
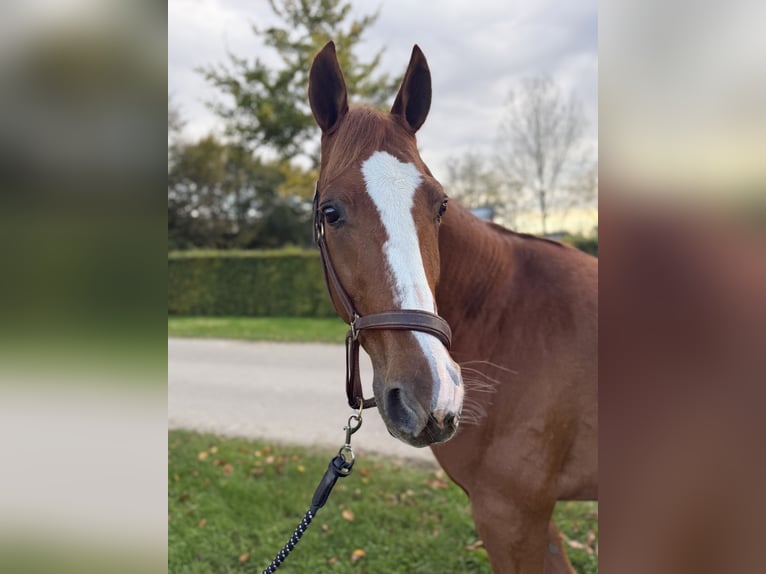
point(267, 106)
point(232, 503)
point(220, 195)
point(285, 283)
point(587, 244)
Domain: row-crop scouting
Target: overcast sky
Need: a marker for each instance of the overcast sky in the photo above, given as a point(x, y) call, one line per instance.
point(477, 50)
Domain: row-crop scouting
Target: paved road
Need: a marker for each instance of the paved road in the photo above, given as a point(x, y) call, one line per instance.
point(289, 392)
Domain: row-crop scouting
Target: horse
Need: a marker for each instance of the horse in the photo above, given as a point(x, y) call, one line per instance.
point(510, 411)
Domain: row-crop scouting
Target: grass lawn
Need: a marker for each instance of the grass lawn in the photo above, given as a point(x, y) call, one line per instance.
point(232, 504)
point(286, 329)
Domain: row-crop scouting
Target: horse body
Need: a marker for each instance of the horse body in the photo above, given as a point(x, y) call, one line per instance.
point(511, 411)
point(523, 312)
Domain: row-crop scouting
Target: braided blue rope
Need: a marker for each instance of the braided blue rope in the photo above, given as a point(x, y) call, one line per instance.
point(287, 548)
point(338, 468)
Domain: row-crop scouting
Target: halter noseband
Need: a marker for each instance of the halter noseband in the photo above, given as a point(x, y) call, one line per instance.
point(401, 320)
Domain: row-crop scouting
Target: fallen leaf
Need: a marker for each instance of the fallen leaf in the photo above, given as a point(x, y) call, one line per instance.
point(213, 449)
point(301, 468)
point(364, 471)
point(576, 544)
point(202, 455)
point(258, 453)
point(202, 523)
point(357, 554)
point(476, 545)
point(348, 514)
point(332, 560)
point(176, 477)
point(257, 471)
point(437, 484)
point(269, 459)
point(244, 557)
point(325, 528)
point(227, 469)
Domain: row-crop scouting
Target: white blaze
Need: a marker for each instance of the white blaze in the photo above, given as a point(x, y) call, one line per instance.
point(391, 184)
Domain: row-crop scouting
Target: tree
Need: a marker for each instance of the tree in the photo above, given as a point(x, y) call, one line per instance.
point(538, 140)
point(584, 187)
point(475, 185)
point(267, 106)
point(175, 126)
point(221, 196)
point(175, 121)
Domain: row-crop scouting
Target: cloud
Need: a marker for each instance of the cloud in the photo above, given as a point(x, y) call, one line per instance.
point(476, 50)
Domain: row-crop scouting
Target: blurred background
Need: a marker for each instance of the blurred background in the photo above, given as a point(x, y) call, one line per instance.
point(82, 292)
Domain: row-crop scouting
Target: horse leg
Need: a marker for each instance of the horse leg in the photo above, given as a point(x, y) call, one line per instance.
point(556, 560)
point(518, 540)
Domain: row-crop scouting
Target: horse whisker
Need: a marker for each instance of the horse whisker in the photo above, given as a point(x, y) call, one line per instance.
point(480, 386)
point(486, 379)
point(490, 364)
point(472, 412)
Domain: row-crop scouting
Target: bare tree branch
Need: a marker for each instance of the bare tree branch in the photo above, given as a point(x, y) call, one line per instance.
point(537, 142)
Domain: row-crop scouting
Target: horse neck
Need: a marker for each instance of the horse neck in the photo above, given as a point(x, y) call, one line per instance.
point(475, 268)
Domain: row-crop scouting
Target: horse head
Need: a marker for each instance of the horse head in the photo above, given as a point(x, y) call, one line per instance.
point(381, 210)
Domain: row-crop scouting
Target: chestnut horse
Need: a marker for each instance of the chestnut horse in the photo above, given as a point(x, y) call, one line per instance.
point(510, 411)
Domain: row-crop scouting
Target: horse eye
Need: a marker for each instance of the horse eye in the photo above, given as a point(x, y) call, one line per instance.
point(442, 209)
point(331, 215)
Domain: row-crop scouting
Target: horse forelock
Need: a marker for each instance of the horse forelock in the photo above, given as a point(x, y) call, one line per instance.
point(362, 132)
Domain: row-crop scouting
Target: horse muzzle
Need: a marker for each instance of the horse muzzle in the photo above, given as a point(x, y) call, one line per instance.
point(408, 421)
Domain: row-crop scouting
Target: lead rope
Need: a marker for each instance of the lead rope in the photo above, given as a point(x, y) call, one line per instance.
point(339, 467)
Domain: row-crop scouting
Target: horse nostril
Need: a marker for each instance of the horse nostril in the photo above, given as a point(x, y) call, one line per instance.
point(447, 421)
point(397, 411)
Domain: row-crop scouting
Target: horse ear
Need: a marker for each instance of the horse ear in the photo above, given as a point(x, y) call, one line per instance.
point(414, 98)
point(327, 89)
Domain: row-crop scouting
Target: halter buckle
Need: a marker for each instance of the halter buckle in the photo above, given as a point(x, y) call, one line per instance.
point(318, 220)
point(354, 331)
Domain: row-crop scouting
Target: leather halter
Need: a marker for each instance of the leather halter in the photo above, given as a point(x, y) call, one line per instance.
point(400, 320)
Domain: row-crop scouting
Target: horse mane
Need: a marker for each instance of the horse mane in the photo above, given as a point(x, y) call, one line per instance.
point(505, 231)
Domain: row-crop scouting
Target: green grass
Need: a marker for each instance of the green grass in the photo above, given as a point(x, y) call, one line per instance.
point(285, 329)
point(232, 503)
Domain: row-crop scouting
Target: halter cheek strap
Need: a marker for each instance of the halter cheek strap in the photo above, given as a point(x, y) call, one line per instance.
point(400, 320)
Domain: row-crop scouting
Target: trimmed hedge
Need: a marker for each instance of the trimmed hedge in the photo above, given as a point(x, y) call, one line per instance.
point(286, 283)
